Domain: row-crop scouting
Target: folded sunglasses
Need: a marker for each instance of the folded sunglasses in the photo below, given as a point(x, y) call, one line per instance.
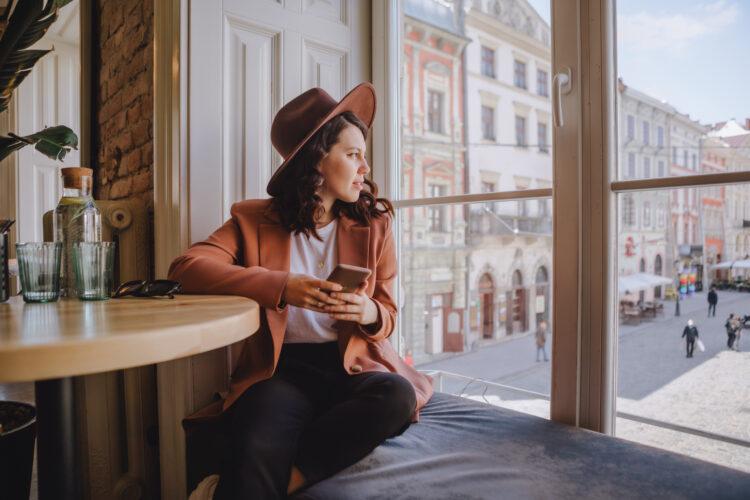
point(148, 288)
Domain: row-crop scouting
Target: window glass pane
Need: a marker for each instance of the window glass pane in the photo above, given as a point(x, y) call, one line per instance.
point(681, 96)
point(676, 244)
point(475, 86)
point(474, 296)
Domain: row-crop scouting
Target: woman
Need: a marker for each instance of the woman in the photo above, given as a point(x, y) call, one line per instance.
point(319, 386)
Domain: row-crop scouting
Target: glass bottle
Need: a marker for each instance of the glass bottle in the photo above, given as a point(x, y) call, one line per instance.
point(76, 219)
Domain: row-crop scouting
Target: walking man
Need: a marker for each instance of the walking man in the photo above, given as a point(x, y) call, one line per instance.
point(713, 298)
point(541, 339)
point(690, 333)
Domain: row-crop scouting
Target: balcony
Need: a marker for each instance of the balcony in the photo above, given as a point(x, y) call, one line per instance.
point(486, 223)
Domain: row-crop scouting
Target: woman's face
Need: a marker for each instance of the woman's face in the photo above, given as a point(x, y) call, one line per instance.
point(344, 167)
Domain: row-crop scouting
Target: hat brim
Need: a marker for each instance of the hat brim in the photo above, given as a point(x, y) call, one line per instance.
point(360, 100)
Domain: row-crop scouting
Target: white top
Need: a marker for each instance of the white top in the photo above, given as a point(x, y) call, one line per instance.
point(314, 258)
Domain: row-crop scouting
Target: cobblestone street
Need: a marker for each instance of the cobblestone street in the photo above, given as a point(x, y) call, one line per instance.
point(709, 392)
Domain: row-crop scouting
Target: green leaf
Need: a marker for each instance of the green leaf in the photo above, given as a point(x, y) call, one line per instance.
point(53, 142)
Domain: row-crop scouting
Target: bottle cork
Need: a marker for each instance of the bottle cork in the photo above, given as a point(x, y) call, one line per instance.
point(73, 176)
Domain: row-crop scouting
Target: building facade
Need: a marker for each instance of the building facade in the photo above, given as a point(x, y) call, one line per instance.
point(509, 148)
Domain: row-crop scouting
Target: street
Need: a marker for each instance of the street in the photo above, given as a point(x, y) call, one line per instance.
point(709, 392)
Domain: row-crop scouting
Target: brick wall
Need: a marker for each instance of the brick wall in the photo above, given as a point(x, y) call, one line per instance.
point(122, 114)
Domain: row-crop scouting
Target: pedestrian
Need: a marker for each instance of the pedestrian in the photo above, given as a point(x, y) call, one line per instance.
point(731, 327)
point(738, 333)
point(713, 299)
point(690, 333)
point(541, 339)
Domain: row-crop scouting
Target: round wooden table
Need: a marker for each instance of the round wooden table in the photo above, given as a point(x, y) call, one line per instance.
point(50, 343)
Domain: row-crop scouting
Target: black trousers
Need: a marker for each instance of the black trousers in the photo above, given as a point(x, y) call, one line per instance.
point(311, 414)
point(690, 345)
point(730, 339)
point(711, 309)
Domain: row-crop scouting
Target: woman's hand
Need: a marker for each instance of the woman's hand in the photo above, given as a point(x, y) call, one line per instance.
point(310, 293)
point(357, 307)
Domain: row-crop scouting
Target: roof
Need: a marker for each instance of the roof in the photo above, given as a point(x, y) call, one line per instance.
point(438, 13)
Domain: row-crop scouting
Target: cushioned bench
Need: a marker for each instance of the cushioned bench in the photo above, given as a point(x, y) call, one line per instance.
point(463, 449)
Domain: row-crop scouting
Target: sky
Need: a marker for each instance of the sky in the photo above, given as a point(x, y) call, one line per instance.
point(693, 54)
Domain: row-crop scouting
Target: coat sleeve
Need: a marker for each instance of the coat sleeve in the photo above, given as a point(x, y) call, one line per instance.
point(385, 274)
point(213, 267)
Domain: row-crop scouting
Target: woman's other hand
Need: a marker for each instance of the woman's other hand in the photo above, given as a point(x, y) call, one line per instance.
point(357, 307)
point(310, 292)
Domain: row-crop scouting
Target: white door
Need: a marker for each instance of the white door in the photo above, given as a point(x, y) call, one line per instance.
point(49, 96)
point(247, 59)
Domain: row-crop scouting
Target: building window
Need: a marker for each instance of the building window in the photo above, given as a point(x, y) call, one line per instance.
point(646, 168)
point(647, 214)
point(488, 62)
point(685, 158)
point(519, 74)
point(435, 111)
point(660, 136)
point(543, 208)
point(628, 210)
point(541, 133)
point(488, 187)
point(695, 162)
point(674, 155)
point(631, 126)
point(646, 132)
point(488, 123)
point(520, 131)
point(660, 171)
point(631, 166)
point(436, 214)
point(541, 83)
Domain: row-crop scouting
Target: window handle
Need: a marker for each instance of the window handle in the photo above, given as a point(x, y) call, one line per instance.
point(561, 84)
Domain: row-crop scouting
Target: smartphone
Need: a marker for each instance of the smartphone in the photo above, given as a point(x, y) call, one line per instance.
point(349, 276)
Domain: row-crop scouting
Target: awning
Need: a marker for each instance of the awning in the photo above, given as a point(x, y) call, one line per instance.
point(734, 264)
point(640, 281)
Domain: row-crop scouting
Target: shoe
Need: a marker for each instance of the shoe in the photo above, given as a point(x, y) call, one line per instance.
point(205, 489)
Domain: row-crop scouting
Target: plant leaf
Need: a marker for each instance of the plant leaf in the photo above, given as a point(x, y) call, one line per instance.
point(53, 142)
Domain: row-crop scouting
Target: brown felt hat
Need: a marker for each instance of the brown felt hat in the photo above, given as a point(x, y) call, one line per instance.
point(300, 118)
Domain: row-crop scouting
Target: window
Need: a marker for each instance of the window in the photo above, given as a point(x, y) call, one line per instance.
point(541, 130)
point(488, 62)
point(646, 132)
point(660, 136)
point(685, 158)
point(520, 131)
point(488, 187)
point(541, 83)
point(695, 162)
point(674, 155)
point(436, 214)
point(660, 169)
point(519, 74)
point(631, 127)
point(646, 168)
point(488, 123)
point(628, 211)
point(647, 214)
point(435, 111)
point(631, 166)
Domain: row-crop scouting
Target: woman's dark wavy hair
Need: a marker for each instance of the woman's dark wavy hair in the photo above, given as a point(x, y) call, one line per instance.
point(298, 204)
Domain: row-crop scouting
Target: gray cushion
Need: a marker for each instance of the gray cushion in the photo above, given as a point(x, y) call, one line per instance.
point(470, 450)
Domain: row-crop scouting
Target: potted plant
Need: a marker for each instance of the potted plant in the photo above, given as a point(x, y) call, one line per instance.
point(22, 24)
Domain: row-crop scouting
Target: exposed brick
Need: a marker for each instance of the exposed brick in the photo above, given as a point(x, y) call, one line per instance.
point(121, 188)
point(131, 162)
point(142, 182)
point(123, 51)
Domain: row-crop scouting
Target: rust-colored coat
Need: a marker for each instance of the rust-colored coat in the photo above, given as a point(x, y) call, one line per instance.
point(250, 256)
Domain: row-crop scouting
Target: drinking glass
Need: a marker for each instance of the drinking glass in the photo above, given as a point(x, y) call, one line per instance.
point(39, 270)
point(93, 263)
